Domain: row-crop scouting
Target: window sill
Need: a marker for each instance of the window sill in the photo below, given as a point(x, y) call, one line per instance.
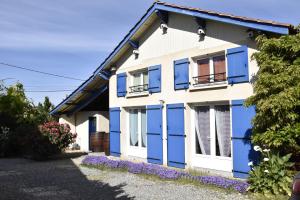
point(138, 94)
point(207, 86)
point(212, 157)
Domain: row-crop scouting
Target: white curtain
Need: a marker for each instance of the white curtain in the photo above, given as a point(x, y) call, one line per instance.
point(223, 129)
point(202, 123)
point(134, 128)
point(144, 128)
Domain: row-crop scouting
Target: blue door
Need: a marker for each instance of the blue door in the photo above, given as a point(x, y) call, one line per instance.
point(176, 136)
point(154, 134)
point(92, 125)
point(243, 151)
point(92, 128)
point(114, 131)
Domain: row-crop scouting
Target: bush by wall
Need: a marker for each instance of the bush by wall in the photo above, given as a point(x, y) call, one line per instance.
point(58, 134)
point(272, 175)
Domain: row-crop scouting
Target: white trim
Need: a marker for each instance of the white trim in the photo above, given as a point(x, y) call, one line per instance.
point(164, 135)
point(131, 95)
point(210, 161)
point(209, 85)
point(211, 70)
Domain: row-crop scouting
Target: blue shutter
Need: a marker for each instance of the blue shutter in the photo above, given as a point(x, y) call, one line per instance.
point(154, 134)
point(243, 151)
point(114, 131)
point(154, 74)
point(237, 64)
point(181, 74)
point(176, 135)
point(121, 85)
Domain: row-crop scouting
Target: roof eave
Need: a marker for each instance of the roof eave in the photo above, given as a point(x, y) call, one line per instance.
point(279, 29)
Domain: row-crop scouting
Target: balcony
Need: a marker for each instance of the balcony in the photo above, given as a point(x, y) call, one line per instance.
point(138, 90)
point(210, 81)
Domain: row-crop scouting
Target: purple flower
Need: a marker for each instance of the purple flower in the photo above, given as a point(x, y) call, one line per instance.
point(164, 173)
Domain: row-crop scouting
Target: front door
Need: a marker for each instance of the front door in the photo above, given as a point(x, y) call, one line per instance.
point(176, 135)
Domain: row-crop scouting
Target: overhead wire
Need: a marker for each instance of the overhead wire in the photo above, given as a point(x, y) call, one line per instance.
point(48, 90)
point(41, 72)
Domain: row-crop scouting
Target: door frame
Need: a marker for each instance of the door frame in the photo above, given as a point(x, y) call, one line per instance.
point(214, 162)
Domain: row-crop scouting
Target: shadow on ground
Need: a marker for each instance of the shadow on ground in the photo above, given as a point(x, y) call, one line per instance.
point(55, 180)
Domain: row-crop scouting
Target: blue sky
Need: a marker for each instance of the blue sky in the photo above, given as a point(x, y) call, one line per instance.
point(72, 37)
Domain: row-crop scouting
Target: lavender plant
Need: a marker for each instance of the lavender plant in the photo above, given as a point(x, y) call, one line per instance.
point(164, 173)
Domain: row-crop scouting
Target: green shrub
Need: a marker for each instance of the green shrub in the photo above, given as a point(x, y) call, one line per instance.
point(26, 140)
point(4, 133)
point(272, 175)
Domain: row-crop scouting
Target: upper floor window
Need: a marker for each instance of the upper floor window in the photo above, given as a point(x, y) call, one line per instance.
point(139, 82)
point(210, 70)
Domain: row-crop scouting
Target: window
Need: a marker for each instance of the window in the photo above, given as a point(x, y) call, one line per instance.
point(139, 82)
point(138, 127)
point(212, 128)
point(210, 70)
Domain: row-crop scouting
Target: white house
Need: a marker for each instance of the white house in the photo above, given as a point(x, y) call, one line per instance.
point(176, 86)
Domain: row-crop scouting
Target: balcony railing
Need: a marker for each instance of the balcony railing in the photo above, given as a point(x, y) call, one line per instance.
point(210, 78)
point(138, 88)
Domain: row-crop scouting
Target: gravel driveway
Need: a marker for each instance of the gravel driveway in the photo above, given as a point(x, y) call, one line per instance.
point(64, 179)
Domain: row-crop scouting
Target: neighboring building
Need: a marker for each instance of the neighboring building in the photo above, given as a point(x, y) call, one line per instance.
point(177, 83)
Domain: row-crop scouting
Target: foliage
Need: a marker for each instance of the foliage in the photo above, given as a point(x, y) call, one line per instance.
point(4, 133)
point(58, 134)
point(19, 120)
point(43, 110)
point(272, 175)
point(163, 172)
point(14, 106)
point(277, 94)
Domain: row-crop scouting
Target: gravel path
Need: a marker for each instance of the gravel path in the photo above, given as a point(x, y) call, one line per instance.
point(64, 179)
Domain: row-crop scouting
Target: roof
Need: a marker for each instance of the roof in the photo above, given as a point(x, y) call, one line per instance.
point(248, 19)
point(100, 73)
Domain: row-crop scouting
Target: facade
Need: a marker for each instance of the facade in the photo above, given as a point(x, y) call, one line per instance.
point(85, 123)
point(177, 83)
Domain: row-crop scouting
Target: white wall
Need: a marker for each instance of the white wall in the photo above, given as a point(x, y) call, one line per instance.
point(181, 41)
point(79, 123)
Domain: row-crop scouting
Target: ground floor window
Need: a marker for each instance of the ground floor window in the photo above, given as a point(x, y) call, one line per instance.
point(212, 128)
point(138, 127)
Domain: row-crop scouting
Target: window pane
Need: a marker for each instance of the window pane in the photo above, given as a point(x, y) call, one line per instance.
point(145, 78)
point(137, 79)
point(219, 68)
point(133, 128)
point(223, 131)
point(202, 122)
point(144, 127)
point(203, 71)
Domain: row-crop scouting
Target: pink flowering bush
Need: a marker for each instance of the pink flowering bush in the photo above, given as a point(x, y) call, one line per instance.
point(58, 134)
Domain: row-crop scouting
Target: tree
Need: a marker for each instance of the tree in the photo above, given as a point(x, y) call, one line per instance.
point(43, 110)
point(276, 124)
point(14, 105)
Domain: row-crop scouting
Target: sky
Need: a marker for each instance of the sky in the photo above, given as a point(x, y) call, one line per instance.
point(72, 37)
